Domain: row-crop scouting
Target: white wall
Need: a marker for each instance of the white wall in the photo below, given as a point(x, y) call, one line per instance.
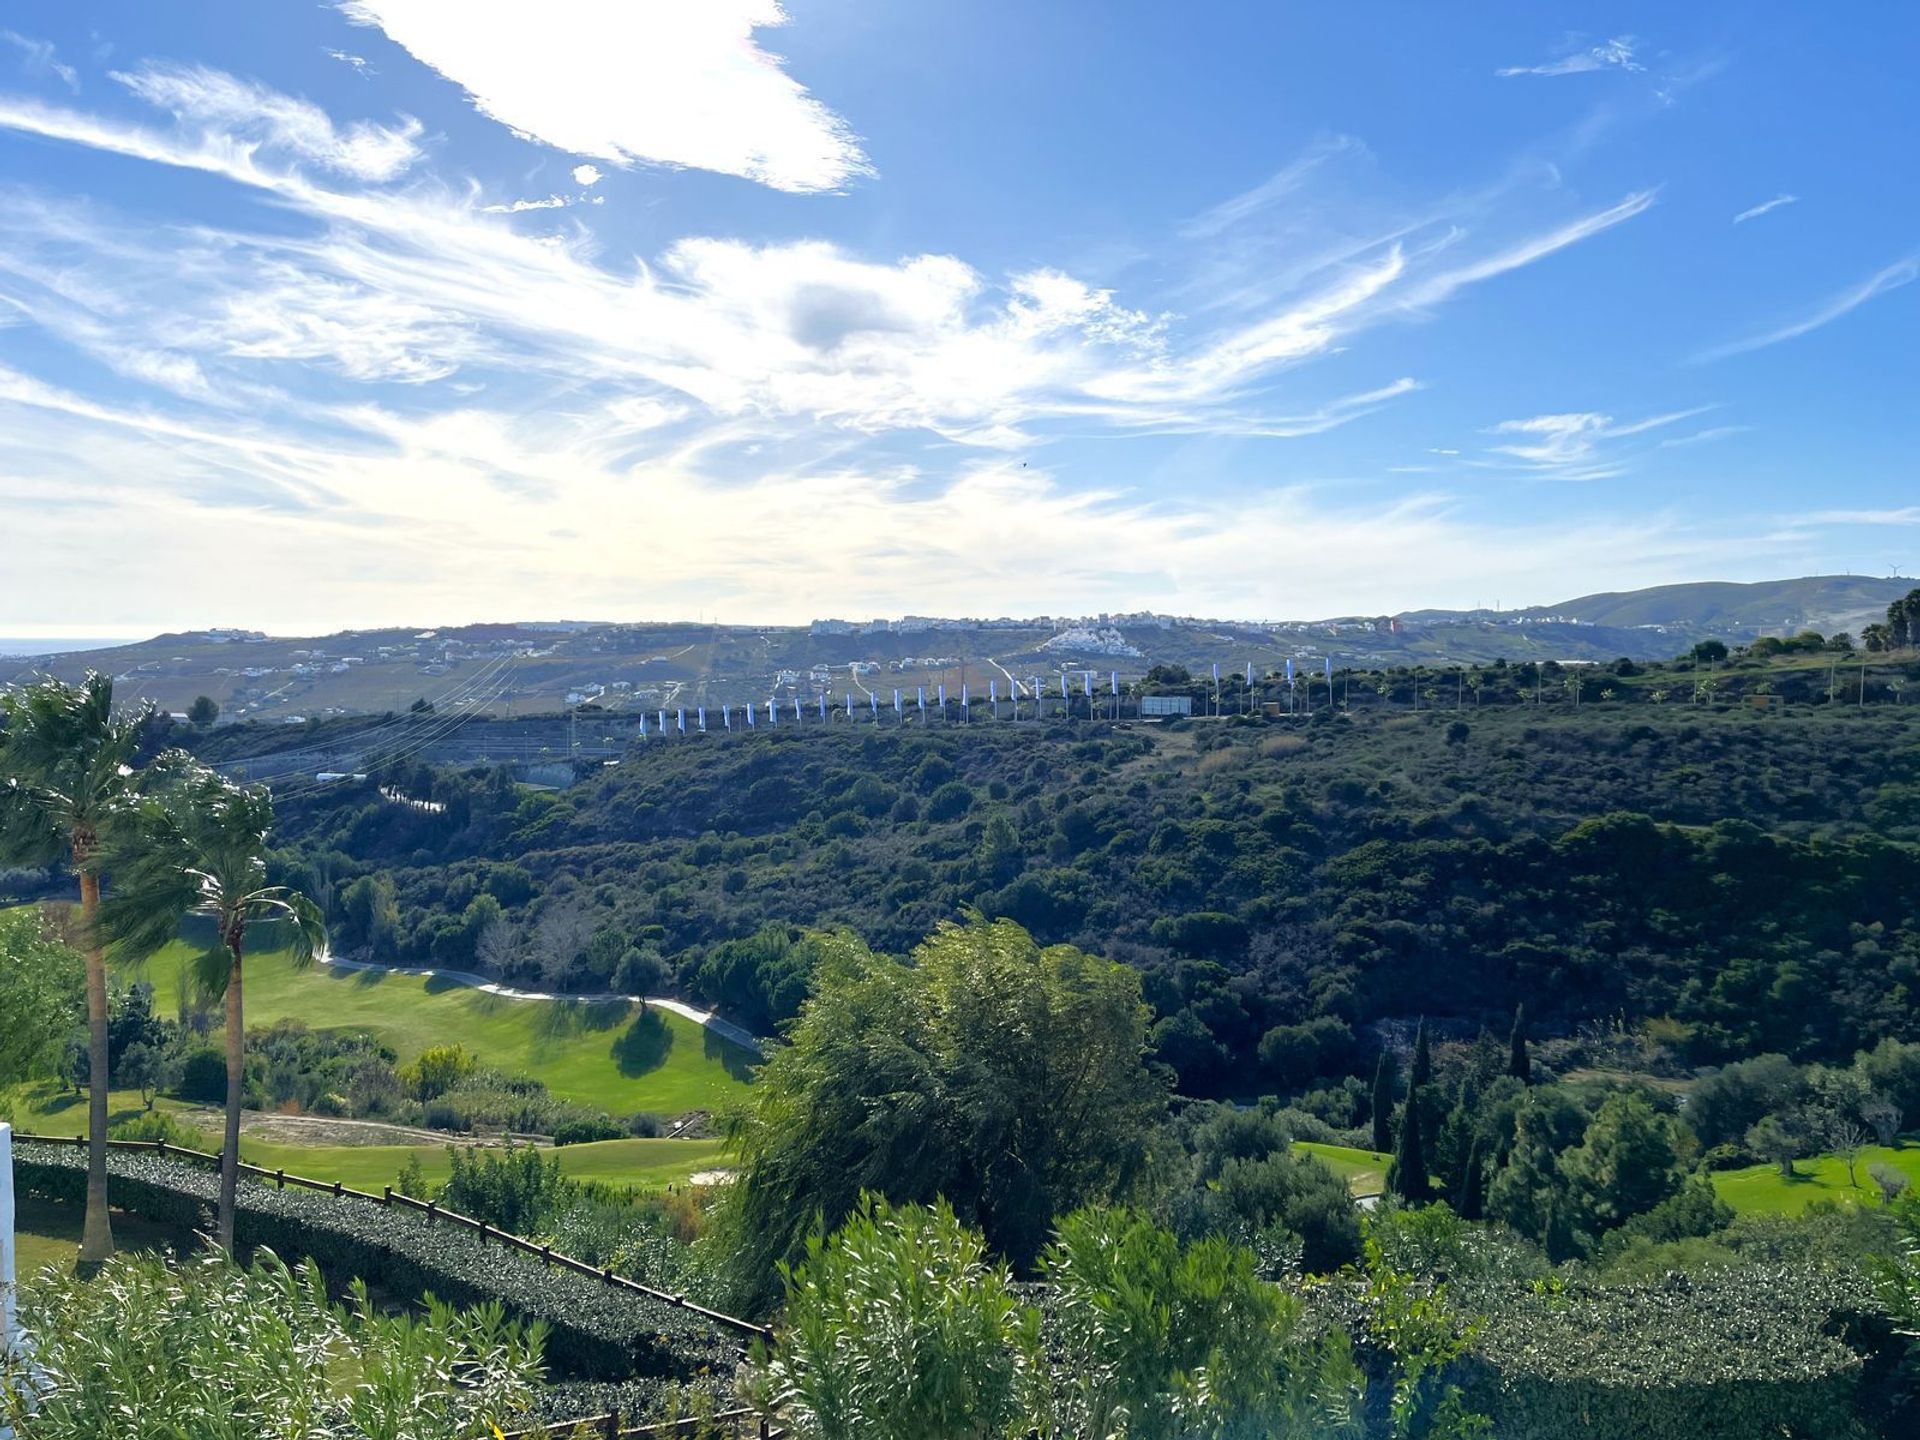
point(6, 1235)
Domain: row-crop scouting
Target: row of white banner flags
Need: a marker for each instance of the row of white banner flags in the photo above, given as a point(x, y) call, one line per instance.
point(677, 721)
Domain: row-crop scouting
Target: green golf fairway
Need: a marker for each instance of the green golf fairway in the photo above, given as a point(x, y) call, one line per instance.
point(607, 1055)
point(1763, 1190)
point(1364, 1171)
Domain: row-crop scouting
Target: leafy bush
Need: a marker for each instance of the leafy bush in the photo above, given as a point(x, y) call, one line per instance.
point(900, 1328)
point(203, 1076)
point(159, 1125)
point(517, 1189)
point(202, 1347)
point(596, 1331)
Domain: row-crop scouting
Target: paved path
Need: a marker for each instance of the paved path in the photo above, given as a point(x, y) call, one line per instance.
point(726, 1029)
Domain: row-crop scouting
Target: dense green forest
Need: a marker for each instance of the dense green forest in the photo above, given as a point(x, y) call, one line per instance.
point(1748, 878)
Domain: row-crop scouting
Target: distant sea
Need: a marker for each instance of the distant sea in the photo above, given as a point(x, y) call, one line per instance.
point(11, 647)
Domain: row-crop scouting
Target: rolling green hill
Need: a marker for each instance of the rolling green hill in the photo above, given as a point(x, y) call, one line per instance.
point(629, 669)
point(1768, 607)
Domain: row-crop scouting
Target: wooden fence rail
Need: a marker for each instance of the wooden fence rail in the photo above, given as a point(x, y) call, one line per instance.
point(544, 1253)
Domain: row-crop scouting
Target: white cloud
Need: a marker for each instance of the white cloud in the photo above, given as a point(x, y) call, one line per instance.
point(516, 207)
point(585, 175)
point(357, 63)
point(473, 506)
point(1614, 54)
point(395, 381)
point(1904, 515)
point(237, 110)
point(793, 332)
point(1576, 446)
point(1701, 437)
point(1283, 183)
point(38, 57)
point(1440, 286)
point(1901, 272)
point(1763, 207)
point(632, 80)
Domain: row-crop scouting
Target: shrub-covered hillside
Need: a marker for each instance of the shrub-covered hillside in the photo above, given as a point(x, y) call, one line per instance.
point(1751, 874)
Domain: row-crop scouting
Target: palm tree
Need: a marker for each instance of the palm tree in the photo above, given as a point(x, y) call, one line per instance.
point(66, 770)
point(197, 845)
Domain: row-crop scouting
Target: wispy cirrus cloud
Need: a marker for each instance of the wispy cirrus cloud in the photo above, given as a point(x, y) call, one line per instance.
point(626, 83)
point(1286, 181)
point(374, 360)
point(1765, 207)
point(787, 331)
point(241, 112)
point(1577, 445)
point(1614, 54)
point(1703, 437)
point(38, 57)
point(1900, 515)
point(1893, 277)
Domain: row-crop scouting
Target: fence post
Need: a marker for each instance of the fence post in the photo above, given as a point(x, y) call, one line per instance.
point(430, 1209)
point(337, 1189)
point(281, 1177)
point(386, 1196)
point(613, 1425)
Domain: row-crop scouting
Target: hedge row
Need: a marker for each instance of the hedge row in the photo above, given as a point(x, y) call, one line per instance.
point(1749, 1353)
point(597, 1331)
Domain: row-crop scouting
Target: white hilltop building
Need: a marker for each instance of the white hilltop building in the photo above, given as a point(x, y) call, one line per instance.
point(1091, 640)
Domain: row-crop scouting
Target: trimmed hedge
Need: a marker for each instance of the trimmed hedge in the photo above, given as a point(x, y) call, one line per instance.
point(1727, 1357)
point(597, 1331)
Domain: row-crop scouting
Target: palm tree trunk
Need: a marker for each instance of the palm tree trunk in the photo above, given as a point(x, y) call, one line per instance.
point(96, 1235)
point(236, 1074)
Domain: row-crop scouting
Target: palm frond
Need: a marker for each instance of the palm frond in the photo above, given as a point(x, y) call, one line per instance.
point(69, 752)
point(195, 843)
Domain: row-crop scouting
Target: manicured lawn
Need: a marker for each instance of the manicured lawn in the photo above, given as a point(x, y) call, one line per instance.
point(643, 1164)
point(47, 1108)
point(1763, 1190)
point(606, 1055)
point(1363, 1170)
point(49, 1234)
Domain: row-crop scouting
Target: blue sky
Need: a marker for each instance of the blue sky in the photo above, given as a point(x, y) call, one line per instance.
point(396, 311)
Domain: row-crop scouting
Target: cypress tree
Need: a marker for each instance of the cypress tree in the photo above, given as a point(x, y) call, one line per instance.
point(1383, 1078)
point(1519, 1063)
point(1473, 1185)
point(1422, 1060)
point(1407, 1176)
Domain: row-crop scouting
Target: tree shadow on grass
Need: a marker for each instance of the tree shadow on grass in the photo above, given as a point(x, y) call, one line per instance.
point(738, 1061)
point(643, 1046)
